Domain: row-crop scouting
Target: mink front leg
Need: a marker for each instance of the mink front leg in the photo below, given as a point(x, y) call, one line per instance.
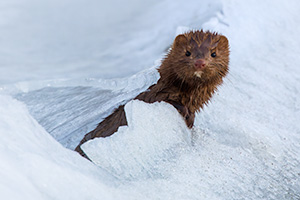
point(106, 128)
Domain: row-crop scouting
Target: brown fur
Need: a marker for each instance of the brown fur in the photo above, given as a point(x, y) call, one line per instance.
point(178, 84)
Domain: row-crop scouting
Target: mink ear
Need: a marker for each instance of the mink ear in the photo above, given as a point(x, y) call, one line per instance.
point(223, 40)
point(180, 40)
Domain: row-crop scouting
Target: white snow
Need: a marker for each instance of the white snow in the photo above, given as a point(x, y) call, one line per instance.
point(137, 150)
point(35, 166)
point(65, 65)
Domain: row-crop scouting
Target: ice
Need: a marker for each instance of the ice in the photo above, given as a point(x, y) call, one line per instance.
point(68, 111)
point(64, 67)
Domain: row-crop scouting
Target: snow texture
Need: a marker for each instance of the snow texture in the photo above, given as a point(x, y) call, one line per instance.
point(137, 150)
point(65, 65)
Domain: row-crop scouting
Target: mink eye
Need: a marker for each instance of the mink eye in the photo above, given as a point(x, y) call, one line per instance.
point(213, 54)
point(188, 53)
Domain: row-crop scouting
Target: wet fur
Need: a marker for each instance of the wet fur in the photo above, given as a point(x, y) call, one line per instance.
point(178, 84)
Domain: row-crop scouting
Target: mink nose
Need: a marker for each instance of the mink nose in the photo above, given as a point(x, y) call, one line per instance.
point(200, 64)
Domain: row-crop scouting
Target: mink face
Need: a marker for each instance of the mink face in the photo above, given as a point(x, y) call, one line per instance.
point(197, 57)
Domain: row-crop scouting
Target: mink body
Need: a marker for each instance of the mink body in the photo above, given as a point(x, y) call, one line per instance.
point(189, 76)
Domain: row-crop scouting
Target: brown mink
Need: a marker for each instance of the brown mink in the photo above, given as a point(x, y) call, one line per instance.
point(189, 75)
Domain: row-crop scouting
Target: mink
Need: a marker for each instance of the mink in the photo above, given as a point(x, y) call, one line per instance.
point(189, 76)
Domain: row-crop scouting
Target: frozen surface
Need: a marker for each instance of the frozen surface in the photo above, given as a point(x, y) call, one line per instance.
point(54, 56)
point(68, 112)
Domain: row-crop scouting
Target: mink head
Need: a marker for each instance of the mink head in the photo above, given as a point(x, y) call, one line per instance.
point(196, 57)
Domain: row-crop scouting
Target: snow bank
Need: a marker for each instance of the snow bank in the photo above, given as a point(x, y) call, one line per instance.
point(154, 135)
point(219, 159)
point(35, 166)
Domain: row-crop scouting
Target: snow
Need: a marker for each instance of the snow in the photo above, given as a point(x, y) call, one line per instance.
point(60, 39)
point(65, 65)
point(35, 166)
point(148, 140)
